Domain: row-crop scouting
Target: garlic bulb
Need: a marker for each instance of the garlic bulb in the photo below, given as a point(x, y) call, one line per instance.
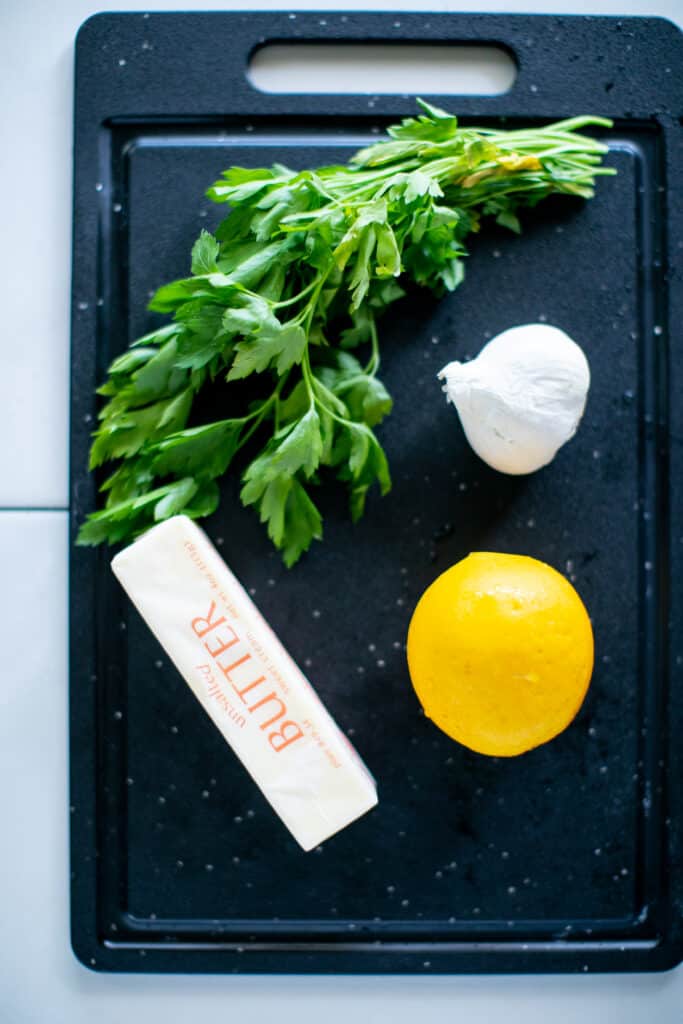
point(522, 398)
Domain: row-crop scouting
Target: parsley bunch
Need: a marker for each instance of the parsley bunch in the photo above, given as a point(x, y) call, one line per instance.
point(288, 289)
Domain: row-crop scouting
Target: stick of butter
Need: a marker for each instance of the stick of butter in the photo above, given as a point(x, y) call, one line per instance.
point(243, 677)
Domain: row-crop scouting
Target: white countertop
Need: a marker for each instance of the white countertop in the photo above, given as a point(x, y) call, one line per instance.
point(40, 980)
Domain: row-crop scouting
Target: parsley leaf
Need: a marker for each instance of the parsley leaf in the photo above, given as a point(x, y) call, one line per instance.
point(281, 345)
point(204, 254)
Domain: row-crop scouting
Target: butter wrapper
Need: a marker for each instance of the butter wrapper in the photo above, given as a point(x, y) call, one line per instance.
point(245, 680)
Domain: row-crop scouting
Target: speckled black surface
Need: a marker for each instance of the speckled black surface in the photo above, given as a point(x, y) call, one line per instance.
point(567, 858)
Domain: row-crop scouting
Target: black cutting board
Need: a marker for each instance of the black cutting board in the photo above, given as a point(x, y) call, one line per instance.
point(565, 859)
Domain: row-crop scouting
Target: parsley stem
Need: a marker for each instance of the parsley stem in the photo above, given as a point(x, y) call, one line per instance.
point(258, 414)
point(295, 298)
point(373, 363)
point(323, 389)
point(308, 378)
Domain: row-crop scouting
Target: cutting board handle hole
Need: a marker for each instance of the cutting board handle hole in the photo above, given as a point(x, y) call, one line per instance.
point(382, 69)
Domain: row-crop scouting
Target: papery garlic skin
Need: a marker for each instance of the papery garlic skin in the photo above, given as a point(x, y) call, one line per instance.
point(522, 398)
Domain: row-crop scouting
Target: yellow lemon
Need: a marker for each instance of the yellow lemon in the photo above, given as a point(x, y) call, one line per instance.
point(500, 652)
